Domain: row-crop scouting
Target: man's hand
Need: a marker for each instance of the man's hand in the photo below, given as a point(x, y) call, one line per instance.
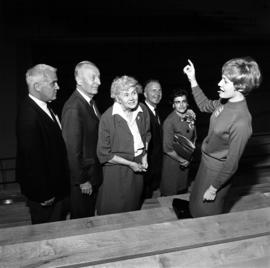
point(48, 202)
point(210, 194)
point(86, 188)
point(189, 70)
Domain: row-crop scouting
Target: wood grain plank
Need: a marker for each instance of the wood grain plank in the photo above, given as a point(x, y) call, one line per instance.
point(85, 225)
point(254, 252)
point(98, 248)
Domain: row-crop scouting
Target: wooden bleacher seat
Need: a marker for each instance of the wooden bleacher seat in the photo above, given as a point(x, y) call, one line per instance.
point(85, 225)
point(245, 253)
point(241, 198)
point(147, 240)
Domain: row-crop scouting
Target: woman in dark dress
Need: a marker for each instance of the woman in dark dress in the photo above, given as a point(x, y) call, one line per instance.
point(229, 130)
point(175, 169)
point(124, 134)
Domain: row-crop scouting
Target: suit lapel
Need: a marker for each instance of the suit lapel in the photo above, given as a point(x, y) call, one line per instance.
point(43, 115)
point(86, 105)
point(153, 118)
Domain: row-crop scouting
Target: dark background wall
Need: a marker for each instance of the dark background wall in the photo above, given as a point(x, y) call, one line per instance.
point(150, 39)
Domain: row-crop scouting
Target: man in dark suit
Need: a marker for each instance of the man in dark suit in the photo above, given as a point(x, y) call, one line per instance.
point(42, 167)
point(80, 119)
point(153, 95)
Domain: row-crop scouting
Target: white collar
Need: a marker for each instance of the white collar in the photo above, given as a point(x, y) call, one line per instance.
point(117, 109)
point(39, 102)
point(151, 107)
point(87, 98)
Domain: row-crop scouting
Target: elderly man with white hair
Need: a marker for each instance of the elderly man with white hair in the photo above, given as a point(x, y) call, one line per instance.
point(42, 168)
point(80, 119)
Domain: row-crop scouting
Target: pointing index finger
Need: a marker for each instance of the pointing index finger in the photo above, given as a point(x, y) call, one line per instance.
point(190, 62)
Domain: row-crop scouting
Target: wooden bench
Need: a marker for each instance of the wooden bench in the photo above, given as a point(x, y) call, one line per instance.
point(144, 241)
point(241, 198)
point(250, 252)
point(85, 225)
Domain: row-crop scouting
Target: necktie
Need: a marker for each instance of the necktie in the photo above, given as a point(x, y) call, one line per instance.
point(52, 115)
point(94, 107)
point(157, 116)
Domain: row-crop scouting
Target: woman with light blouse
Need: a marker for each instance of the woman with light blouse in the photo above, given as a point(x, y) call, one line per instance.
point(124, 134)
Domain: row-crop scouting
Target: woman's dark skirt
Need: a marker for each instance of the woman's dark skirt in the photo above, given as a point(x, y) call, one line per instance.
point(208, 171)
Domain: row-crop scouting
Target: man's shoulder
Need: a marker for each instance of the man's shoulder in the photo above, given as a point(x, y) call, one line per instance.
point(74, 101)
point(27, 109)
point(144, 106)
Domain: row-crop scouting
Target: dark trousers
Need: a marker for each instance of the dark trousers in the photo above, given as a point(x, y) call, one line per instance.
point(58, 211)
point(82, 205)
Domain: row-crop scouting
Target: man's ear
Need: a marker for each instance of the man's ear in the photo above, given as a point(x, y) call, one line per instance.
point(78, 80)
point(36, 87)
point(144, 93)
point(173, 106)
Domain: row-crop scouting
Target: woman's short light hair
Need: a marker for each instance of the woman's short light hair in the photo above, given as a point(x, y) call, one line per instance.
point(38, 73)
point(244, 73)
point(123, 83)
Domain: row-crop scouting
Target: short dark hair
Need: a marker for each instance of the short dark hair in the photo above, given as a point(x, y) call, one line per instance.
point(178, 93)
